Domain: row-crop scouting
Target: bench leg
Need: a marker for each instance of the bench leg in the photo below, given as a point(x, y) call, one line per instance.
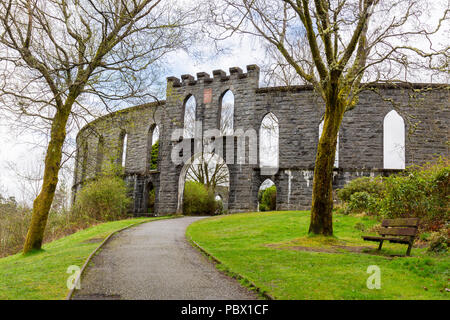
point(380, 245)
point(408, 252)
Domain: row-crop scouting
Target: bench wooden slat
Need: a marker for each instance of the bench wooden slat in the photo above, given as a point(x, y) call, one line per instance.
point(396, 231)
point(390, 239)
point(402, 222)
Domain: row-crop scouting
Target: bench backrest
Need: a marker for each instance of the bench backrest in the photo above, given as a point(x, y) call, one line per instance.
point(399, 227)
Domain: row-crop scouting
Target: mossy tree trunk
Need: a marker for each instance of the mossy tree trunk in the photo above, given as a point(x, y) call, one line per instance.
point(322, 196)
point(43, 202)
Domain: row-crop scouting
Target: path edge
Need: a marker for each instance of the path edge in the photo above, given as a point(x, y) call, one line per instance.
point(233, 274)
point(77, 280)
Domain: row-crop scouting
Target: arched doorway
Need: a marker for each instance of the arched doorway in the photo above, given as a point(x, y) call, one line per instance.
point(267, 196)
point(201, 179)
point(150, 200)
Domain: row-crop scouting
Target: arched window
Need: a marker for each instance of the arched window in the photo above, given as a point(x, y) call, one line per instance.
point(124, 148)
point(100, 151)
point(153, 147)
point(393, 141)
point(84, 160)
point(226, 125)
point(336, 155)
point(268, 144)
point(190, 107)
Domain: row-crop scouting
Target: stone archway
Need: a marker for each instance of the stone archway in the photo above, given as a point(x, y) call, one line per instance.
point(182, 180)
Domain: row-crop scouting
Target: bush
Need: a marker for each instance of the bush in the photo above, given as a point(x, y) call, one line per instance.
point(439, 241)
point(362, 202)
point(14, 221)
point(268, 198)
point(419, 192)
point(103, 199)
point(219, 207)
point(198, 199)
point(371, 186)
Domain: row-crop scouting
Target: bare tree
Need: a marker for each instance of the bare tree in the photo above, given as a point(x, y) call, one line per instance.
point(341, 47)
point(210, 170)
point(61, 59)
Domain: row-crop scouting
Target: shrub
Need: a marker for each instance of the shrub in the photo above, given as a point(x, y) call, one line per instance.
point(103, 199)
point(198, 199)
point(219, 207)
point(419, 192)
point(362, 202)
point(268, 199)
point(371, 186)
point(439, 241)
point(14, 221)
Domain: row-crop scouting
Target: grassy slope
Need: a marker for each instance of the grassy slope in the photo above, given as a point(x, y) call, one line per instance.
point(238, 241)
point(42, 275)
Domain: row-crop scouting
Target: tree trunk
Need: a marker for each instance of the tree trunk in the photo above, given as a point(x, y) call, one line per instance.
point(43, 202)
point(322, 197)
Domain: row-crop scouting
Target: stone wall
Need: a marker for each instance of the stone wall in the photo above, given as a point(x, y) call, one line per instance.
point(299, 111)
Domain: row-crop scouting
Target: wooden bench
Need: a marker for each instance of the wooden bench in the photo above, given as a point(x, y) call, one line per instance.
point(397, 231)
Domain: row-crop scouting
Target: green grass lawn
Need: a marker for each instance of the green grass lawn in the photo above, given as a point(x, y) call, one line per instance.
point(264, 248)
point(42, 275)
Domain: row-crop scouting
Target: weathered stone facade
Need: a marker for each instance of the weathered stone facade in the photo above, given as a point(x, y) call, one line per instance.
point(299, 111)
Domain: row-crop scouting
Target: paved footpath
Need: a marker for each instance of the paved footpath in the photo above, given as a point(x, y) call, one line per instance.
point(155, 261)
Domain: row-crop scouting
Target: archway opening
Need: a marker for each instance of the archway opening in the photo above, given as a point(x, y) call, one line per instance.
point(269, 144)
point(267, 196)
point(150, 198)
point(202, 178)
point(393, 141)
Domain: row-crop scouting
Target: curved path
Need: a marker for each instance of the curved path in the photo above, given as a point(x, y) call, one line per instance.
point(155, 261)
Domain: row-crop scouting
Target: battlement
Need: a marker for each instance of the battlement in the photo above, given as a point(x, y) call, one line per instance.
point(218, 75)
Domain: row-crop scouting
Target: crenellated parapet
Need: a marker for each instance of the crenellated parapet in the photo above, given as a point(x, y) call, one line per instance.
point(218, 76)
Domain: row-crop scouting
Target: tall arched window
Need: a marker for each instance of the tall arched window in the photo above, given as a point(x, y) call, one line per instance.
point(153, 147)
point(124, 148)
point(84, 160)
point(226, 125)
point(268, 144)
point(190, 107)
point(393, 141)
point(100, 151)
point(336, 155)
